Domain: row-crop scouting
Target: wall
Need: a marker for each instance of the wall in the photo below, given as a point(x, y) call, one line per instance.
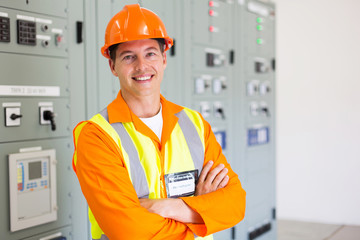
point(318, 127)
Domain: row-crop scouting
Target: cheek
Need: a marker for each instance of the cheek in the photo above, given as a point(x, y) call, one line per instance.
point(122, 72)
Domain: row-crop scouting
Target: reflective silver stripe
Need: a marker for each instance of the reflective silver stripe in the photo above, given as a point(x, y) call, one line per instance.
point(138, 176)
point(105, 114)
point(103, 237)
point(192, 139)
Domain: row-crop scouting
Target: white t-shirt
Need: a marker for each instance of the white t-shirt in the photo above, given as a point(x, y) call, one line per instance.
point(155, 123)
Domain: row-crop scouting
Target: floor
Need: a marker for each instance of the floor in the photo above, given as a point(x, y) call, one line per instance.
point(294, 230)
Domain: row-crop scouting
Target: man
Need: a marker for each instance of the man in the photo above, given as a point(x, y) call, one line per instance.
point(148, 168)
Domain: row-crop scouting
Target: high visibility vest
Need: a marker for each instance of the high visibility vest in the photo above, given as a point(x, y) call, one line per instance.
point(184, 151)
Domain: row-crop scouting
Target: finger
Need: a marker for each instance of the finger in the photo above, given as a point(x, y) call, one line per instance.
point(205, 171)
point(224, 182)
point(220, 177)
point(213, 173)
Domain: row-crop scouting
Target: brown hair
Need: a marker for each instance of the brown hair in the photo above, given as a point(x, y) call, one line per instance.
point(113, 48)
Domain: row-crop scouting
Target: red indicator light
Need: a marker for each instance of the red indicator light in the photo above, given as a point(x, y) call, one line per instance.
point(211, 12)
point(211, 28)
point(211, 3)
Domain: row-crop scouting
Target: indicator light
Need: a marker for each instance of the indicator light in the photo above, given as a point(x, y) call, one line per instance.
point(211, 28)
point(259, 41)
point(211, 12)
point(259, 20)
point(211, 3)
point(259, 27)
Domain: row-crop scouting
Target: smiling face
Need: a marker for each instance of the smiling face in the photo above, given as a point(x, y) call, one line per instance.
point(140, 66)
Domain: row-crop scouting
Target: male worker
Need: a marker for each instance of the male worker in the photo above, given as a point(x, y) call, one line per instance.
point(150, 169)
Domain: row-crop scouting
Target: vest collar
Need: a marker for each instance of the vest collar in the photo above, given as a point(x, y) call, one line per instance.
point(119, 111)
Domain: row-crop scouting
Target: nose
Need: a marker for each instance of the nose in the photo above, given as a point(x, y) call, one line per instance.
point(140, 63)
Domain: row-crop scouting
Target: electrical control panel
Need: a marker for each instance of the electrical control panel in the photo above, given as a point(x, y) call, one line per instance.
point(256, 102)
point(39, 58)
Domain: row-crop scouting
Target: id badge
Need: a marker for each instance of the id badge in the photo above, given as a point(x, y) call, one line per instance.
point(181, 184)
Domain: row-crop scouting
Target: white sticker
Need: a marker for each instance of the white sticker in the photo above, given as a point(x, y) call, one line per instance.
point(2, 14)
point(45, 104)
point(30, 149)
point(57, 30)
point(12, 90)
point(213, 50)
point(258, 9)
point(43, 37)
point(27, 18)
point(41, 20)
point(11, 104)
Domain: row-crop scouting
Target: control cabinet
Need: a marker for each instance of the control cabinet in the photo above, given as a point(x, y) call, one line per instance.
point(255, 117)
point(37, 47)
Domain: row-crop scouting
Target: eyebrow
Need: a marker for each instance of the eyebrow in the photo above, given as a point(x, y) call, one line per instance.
point(131, 52)
point(124, 52)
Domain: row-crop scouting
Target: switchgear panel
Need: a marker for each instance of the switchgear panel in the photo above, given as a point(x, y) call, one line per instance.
point(256, 103)
point(39, 57)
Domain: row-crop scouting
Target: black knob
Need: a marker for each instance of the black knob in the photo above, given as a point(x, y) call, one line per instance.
point(266, 111)
point(221, 112)
point(15, 116)
point(49, 116)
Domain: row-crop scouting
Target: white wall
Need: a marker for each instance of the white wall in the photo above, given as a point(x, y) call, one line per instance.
point(318, 110)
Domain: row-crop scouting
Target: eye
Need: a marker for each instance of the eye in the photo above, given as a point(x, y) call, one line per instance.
point(150, 54)
point(128, 57)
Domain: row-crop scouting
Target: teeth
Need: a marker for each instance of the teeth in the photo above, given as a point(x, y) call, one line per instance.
point(143, 78)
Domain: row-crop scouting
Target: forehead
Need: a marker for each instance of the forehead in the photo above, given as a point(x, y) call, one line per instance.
point(137, 45)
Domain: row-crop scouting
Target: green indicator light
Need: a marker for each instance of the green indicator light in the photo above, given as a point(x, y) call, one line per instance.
point(259, 27)
point(259, 41)
point(259, 20)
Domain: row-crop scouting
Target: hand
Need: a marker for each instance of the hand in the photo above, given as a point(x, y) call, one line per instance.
point(210, 181)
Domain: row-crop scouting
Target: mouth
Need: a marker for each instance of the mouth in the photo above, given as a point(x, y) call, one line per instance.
point(142, 77)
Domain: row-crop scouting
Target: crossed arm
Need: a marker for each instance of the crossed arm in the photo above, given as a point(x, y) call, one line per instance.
point(210, 180)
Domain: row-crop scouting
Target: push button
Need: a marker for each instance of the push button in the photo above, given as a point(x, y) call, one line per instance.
point(4, 29)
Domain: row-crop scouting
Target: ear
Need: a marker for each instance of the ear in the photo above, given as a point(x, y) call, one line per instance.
point(112, 67)
point(164, 59)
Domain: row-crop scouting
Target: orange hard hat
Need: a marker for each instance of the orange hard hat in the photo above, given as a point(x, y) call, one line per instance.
point(134, 23)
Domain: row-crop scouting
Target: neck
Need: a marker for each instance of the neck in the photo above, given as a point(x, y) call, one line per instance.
point(143, 107)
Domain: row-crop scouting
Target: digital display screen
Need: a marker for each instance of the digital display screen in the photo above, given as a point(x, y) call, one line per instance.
point(34, 170)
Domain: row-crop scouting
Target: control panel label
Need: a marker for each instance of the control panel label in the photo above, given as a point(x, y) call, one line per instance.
point(11, 90)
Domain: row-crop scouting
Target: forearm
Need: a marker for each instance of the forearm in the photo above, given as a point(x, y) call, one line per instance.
point(114, 211)
point(172, 208)
point(220, 209)
point(224, 207)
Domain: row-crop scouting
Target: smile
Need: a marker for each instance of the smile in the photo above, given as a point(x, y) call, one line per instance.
point(143, 78)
